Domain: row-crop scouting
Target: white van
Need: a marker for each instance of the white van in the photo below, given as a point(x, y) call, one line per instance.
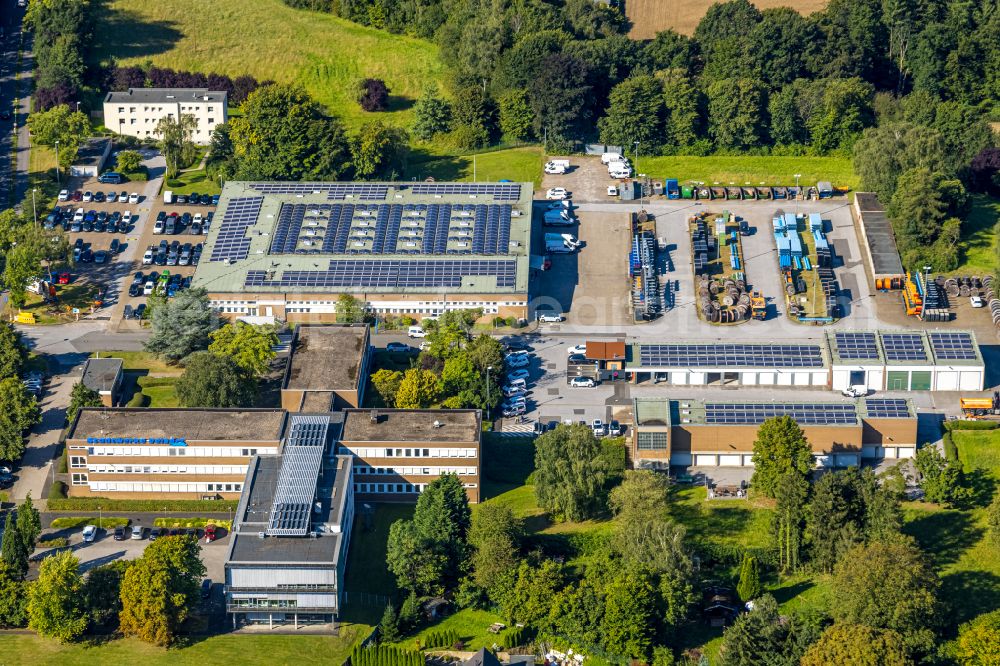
point(608, 158)
point(620, 173)
point(416, 332)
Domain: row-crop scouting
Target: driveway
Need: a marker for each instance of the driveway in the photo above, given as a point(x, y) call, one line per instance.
point(36, 467)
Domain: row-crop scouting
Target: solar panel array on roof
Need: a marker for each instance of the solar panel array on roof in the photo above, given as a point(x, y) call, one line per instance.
point(381, 273)
point(859, 346)
point(499, 191)
point(887, 408)
point(904, 347)
point(731, 356)
point(232, 243)
point(952, 346)
point(362, 191)
point(299, 474)
point(392, 229)
point(802, 413)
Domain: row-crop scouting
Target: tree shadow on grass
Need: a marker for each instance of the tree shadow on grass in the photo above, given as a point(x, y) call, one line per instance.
point(944, 535)
point(399, 103)
point(784, 594)
point(968, 594)
point(125, 34)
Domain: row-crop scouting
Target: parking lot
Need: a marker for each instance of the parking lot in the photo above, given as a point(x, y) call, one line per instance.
point(105, 549)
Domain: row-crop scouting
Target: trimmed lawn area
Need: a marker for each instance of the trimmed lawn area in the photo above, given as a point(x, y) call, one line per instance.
point(160, 392)
point(979, 237)
point(76, 295)
point(979, 449)
point(194, 181)
point(327, 55)
point(740, 169)
point(267, 649)
point(140, 360)
point(367, 573)
point(516, 164)
point(470, 624)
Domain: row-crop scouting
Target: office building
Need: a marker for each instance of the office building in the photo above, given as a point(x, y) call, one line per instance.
point(137, 111)
point(327, 368)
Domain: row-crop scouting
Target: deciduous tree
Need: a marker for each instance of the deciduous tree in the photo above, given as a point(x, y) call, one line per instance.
point(13, 598)
point(858, 645)
point(979, 641)
point(780, 448)
point(431, 114)
point(629, 620)
point(60, 124)
point(128, 161)
point(175, 141)
point(495, 538)
point(12, 352)
point(560, 99)
point(736, 112)
point(29, 524)
point(55, 604)
point(418, 389)
point(373, 95)
point(379, 151)
point(160, 589)
point(386, 383)
point(81, 396)
point(12, 551)
point(883, 153)
point(634, 113)
point(569, 472)
point(183, 325)
point(642, 495)
point(762, 636)
point(516, 117)
point(210, 380)
point(888, 586)
point(250, 347)
point(18, 412)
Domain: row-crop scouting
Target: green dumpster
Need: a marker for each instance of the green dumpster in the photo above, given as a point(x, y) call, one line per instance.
point(687, 192)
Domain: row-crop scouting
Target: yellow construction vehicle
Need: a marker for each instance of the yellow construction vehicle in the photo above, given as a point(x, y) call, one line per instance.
point(977, 408)
point(758, 306)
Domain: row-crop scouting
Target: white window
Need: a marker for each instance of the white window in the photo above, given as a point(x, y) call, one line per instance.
point(79, 479)
point(77, 461)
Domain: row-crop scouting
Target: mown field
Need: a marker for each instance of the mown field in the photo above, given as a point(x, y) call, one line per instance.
point(649, 17)
point(750, 170)
point(980, 254)
point(269, 40)
point(516, 164)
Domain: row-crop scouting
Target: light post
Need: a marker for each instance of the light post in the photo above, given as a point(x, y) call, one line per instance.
point(58, 179)
point(100, 518)
point(34, 211)
point(797, 193)
point(923, 299)
point(488, 368)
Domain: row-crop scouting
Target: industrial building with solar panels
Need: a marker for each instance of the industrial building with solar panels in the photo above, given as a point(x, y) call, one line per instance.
point(287, 250)
point(721, 433)
point(869, 360)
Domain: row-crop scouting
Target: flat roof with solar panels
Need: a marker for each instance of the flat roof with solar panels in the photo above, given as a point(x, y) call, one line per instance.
point(755, 413)
point(369, 237)
point(724, 355)
point(904, 348)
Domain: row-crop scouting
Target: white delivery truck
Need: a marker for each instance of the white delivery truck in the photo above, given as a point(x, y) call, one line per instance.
point(168, 196)
point(557, 166)
point(608, 158)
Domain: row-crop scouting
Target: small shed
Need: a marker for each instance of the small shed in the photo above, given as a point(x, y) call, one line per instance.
point(90, 158)
point(104, 375)
point(824, 189)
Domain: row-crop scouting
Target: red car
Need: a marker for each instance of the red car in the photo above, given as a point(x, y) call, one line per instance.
point(78, 196)
point(209, 533)
point(63, 278)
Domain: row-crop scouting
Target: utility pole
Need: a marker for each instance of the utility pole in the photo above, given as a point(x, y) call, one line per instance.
point(58, 178)
point(34, 211)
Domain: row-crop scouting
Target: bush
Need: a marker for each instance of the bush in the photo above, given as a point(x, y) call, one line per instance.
point(63, 465)
point(95, 503)
point(514, 637)
point(56, 492)
point(950, 452)
point(173, 182)
point(499, 321)
point(140, 176)
point(191, 522)
point(440, 639)
point(512, 321)
point(971, 425)
point(69, 522)
point(406, 321)
point(50, 541)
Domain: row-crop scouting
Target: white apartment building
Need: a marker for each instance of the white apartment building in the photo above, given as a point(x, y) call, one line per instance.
point(137, 111)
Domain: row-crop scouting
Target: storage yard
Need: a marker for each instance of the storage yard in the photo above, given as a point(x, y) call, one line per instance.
point(721, 283)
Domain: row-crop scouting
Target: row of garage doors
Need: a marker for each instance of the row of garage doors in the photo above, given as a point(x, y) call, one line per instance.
point(746, 460)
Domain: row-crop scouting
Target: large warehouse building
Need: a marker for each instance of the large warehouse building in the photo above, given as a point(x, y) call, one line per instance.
point(875, 360)
point(721, 434)
point(287, 250)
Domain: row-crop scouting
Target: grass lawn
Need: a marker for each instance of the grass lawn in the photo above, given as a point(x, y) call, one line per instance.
point(750, 169)
point(326, 55)
point(267, 649)
point(161, 392)
point(470, 624)
point(516, 164)
point(194, 181)
point(368, 577)
point(140, 360)
point(979, 237)
point(979, 449)
point(76, 295)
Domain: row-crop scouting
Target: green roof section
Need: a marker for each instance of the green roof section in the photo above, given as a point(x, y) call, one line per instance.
point(303, 255)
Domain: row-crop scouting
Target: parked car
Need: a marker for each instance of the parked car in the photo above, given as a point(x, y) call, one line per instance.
point(517, 361)
point(115, 246)
point(112, 197)
point(557, 193)
point(127, 312)
point(517, 410)
point(88, 196)
point(577, 358)
point(133, 198)
point(205, 200)
point(137, 532)
point(551, 317)
point(101, 257)
point(215, 199)
point(210, 534)
point(577, 349)
point(170, 227)
point(63, 195)
point(158, 226)
point(976, 301)
point(155, 533)
point(615, 429)
point(119, 534)
point(582, 382)
point(147, 258)
point(86, 256)
point(99, 197)
point(514, 391)
point(398, 347)
point(514, 375)
point(89, 533)
point(181, 199)
point(140, 310)
point(598, 427)
point(127, 217)
point(111, 178)
point(77, 195)
point(63, 278)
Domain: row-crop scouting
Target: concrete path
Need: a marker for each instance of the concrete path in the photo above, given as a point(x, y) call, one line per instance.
point(36, 468)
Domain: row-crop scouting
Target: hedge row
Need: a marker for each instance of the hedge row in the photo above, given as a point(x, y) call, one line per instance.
point(384, 655)
point(191, 522)
point(950, 452)
point(514, 637)
point(441, 639)
point(149, 506)
point(106, 522)
point(971, 425)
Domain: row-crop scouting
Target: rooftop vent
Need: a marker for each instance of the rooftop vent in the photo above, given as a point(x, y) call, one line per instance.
point(438, 424)
point(261, 535)
point(374, 416)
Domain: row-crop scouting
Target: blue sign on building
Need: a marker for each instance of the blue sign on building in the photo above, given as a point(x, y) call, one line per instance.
point(172, 441)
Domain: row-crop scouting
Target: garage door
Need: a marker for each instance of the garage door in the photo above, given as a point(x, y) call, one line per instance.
point(680, 459)
point(678, 378)
point(846, 459)
point(906, 452)
point(920, 380)
point(785, 379)
point(765, 378)
point(748, 461)
point(704, 460)
point(730, 461)
point(947, 380)
point(802, 378)
point(897, 380)
point(971, 381)
point(869, 451)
